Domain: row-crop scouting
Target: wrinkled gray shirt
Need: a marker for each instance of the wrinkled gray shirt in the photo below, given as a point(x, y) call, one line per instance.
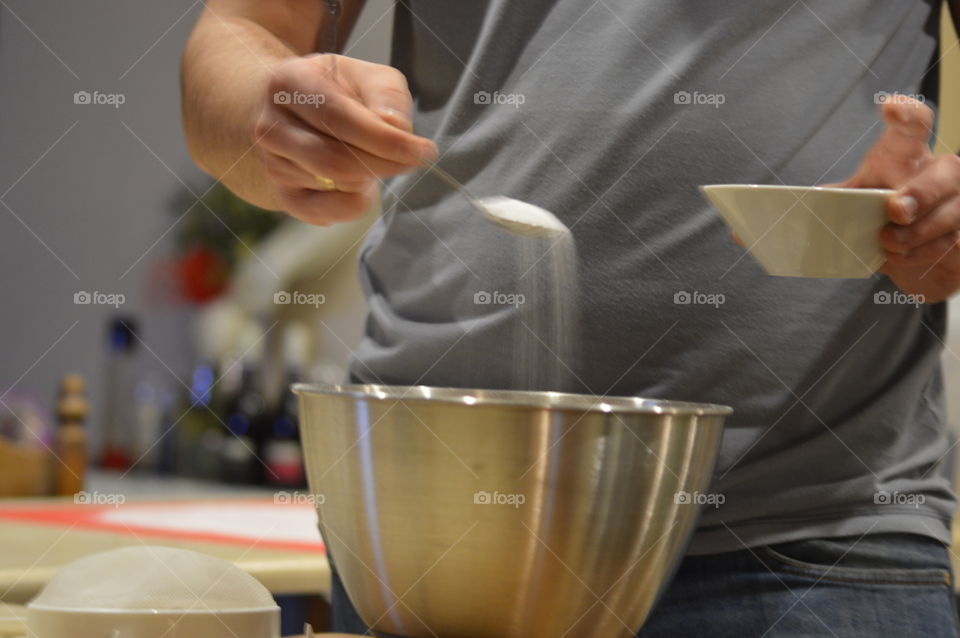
point(610, 114)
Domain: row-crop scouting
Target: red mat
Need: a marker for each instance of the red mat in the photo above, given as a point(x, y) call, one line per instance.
point(261, 523)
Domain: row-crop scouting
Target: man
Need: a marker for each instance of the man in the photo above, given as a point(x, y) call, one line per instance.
point(836, 507)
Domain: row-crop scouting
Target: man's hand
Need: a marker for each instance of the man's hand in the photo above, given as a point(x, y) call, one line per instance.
point(922, 240)
point(330, 128)
point(287, 129)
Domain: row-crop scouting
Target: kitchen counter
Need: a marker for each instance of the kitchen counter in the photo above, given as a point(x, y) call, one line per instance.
point(271, 536)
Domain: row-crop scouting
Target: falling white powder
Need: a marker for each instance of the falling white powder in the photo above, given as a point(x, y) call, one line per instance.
point(522, 218)
point(537, 275)
point(546, 349)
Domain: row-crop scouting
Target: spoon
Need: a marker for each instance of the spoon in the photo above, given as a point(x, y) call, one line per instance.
point(518, 217)
point(514, 215)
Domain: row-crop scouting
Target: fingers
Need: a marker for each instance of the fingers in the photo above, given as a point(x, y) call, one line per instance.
point(901, 151)
point(288, 174)
point(340, 112)
point(330, 117)
point(301, 195)
point(350, 121)
point(322, 208)
point(384, 91)
point(928, 254)
point(944, 219)
point(320, 154)
point(909, 125)
point(925, 215)
point(922, 195)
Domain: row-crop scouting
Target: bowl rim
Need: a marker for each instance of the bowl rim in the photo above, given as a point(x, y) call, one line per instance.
point(841, 190)
point(558, 401)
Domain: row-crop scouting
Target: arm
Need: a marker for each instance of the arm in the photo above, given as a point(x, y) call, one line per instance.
point(241, 56)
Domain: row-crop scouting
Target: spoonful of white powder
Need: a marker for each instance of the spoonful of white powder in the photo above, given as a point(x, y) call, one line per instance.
point(514, 215)
point(520, 217)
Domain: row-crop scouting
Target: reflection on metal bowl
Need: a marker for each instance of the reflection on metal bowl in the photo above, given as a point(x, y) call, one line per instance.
point(455, 513)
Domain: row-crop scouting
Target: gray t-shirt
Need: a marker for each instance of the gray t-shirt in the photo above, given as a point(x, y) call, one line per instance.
point(582, 108)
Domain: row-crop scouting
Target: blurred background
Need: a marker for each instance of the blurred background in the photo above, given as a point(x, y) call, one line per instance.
point(125, 264)
point(152, 321)
point(185, 312)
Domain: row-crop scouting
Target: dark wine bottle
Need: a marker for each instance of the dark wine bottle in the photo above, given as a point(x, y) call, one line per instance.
point(118, 405)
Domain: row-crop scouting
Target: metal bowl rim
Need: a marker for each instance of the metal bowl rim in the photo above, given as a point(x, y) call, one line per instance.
point(514, 398)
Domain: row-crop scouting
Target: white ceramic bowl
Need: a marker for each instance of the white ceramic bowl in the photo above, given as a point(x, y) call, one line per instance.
point(806, 231)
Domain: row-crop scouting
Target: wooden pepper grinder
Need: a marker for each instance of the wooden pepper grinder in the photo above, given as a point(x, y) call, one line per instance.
point(71, 443)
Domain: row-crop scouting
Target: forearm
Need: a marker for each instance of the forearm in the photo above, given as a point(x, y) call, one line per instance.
point(226, 69)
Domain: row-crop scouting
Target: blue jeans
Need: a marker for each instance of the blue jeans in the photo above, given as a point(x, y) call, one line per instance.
point(887, 585)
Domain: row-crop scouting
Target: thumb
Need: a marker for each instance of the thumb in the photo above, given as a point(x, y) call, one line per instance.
point(394, 117)
point(901, 150)
point(384, 90)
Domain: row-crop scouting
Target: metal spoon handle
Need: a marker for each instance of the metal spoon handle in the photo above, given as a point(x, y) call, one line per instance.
point(518, 227)
point(330, 35)
point(450, 180)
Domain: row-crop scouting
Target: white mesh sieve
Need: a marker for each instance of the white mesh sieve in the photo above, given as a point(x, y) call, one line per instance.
point(154, 578)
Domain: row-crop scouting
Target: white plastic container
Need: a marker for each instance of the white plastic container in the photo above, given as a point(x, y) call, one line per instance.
point(145, 592)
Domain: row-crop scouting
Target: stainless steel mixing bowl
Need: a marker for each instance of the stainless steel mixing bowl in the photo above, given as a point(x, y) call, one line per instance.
point(455, 513)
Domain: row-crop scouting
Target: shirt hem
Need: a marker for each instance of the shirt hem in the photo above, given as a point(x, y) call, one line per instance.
point(748, 534)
